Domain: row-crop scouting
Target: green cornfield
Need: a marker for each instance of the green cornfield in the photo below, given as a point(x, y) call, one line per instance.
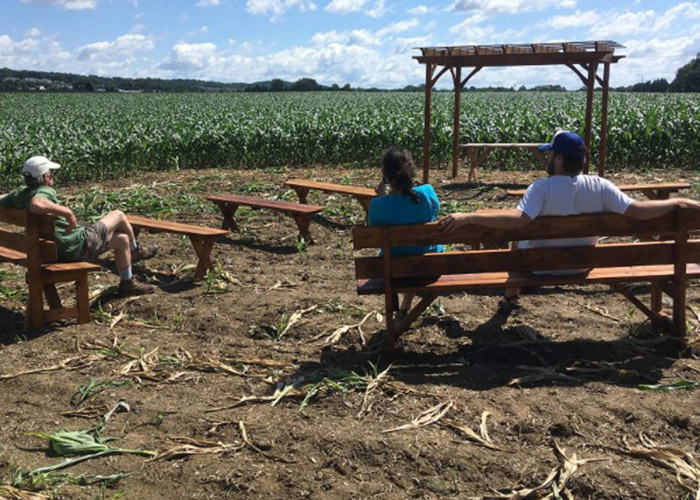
point(96, 136)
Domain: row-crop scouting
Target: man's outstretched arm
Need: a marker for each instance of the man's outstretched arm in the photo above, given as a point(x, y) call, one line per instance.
point(42, 206)
point(494, 219)
point(643, 210)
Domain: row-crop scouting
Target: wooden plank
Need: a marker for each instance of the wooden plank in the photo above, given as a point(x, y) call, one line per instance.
point(462, 282)
point(18, 217)
point(162, 226)
point(18, 242)
point(329, 187)
point(254, 202)
point(667, 187)
point(541, 259)
point(9, 255)
point(60, 314)
point(541, 228)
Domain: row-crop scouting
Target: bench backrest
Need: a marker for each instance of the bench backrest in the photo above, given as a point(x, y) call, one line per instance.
point(673, 249)
point(32, 237)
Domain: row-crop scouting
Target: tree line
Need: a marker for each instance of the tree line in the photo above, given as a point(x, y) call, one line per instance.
point(687, 80)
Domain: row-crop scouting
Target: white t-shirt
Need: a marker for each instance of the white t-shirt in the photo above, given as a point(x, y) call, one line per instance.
point(566, 195)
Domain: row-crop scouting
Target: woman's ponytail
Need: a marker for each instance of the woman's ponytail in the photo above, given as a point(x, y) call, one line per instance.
point(399, 171)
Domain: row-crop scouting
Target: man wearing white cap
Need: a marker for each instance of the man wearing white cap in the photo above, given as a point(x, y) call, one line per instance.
point(565, 192)
point(76, 243)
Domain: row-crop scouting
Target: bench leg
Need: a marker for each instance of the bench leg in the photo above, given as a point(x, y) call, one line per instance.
point(228, 211)
point(202, 246)
point(472, 165)
point(303, 221)
point(656, 297)
point(34, 319)
point(389, 299)
point(679, 326)
point(364, 202)
point(302, 193)
point(52, 297)
point(82, 299)
point(413, 314)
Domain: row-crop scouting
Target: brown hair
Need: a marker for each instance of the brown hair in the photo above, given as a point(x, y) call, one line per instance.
point(399, 171)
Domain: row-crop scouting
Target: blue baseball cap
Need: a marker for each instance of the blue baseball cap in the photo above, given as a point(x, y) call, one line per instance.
point(566, 143)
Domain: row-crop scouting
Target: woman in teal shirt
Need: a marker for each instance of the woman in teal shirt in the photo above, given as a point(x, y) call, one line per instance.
point(405, 204)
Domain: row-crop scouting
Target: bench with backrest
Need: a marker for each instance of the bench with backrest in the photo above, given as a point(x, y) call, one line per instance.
point(476, 159)
point(302, 187)
point(202, 238)
point(228, 204)
point(30, 246)
point(653, 191)
point(665, 264)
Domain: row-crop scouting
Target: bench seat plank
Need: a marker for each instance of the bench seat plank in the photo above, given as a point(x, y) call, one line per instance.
point(461, 282)
point(163, 226)
point(202, 238)
point(254, 202)
point(661, 190)
point(228, 204)
point(332, 188)
point(9, 255)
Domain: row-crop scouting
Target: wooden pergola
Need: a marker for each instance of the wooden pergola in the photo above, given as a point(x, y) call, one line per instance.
point(583, 58)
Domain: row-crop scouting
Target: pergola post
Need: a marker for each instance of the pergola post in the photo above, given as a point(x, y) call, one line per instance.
point(590, 85)
point(457, 79)
point(604, 119)
point(429, 68)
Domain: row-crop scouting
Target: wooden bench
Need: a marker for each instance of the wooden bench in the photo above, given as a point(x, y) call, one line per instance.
point(228, 204)
point(362, 194)
point(667, 265)
point(659, 191)
point(202, 238)
point(32, 248)
point(475, 159)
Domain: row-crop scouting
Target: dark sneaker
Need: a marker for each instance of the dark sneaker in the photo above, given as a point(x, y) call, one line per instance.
point(144, 252)
point(133, 287)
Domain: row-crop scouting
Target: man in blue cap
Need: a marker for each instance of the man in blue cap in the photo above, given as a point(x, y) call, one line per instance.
point(565, 192)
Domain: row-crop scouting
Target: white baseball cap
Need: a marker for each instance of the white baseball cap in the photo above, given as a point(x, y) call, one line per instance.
point(36, 166)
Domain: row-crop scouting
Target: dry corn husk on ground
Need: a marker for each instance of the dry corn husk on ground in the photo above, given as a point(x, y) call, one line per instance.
point(482, 438)
point(429, 416)
point(555, 487)
point(8, 492)
point(685, 466)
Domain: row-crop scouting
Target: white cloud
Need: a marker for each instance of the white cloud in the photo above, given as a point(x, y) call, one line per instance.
point(406, 45)
point(645, 21)
point(202, 30)
point(277, 8)
point(208, 3)
point(354, 37)
point(67, 4)
point(33, 33)
point(123, 46)
point(190, 57)
point(378, 10)
point(399, 27)
point(576, 20)
point(419, 10)
point(509, 6)
point(345, 6)
point(649, 59)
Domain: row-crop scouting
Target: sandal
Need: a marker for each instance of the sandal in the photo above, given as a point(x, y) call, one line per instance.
point(510, 303)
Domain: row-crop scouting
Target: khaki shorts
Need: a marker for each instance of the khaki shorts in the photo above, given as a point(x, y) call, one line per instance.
point(96, 242)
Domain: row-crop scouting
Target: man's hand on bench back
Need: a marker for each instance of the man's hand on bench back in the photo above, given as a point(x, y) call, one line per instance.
point(650, 209)
point(43, 206)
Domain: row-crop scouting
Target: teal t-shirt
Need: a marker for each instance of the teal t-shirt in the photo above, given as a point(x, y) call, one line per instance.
point(398, 210)
point(69, 245)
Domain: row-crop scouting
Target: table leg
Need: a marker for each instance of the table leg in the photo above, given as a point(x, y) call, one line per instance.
point(472, 165)
point(202, 246)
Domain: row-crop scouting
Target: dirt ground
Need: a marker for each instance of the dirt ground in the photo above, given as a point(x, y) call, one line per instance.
point(567, 370)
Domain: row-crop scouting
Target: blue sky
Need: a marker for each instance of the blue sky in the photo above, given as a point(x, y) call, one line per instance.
point(361, 42)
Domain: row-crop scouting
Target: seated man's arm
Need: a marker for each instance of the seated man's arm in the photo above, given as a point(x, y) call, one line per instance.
point(649, 209)
point(42, 206)
point(494, 219)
